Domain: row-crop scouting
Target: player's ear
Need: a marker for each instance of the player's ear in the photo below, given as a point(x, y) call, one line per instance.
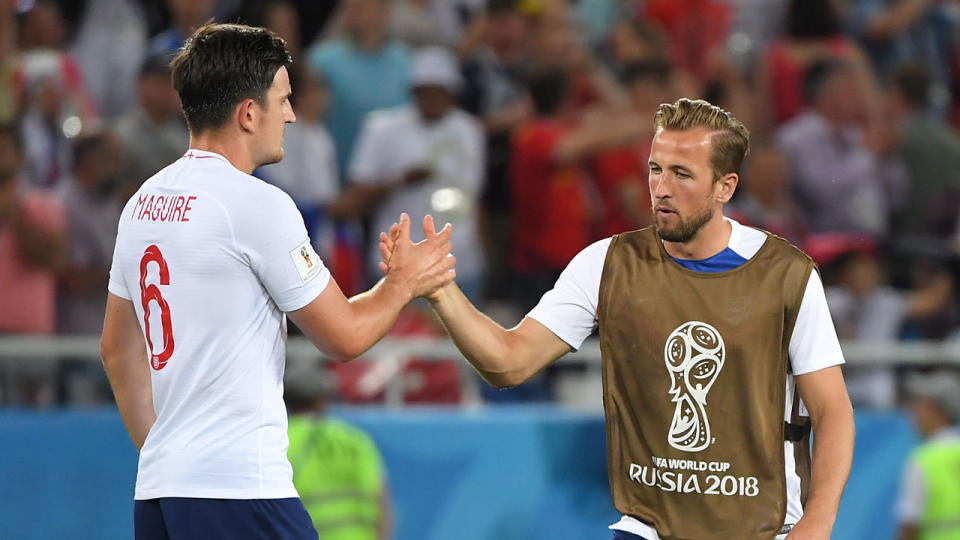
point(246, 115)
point(726, 186)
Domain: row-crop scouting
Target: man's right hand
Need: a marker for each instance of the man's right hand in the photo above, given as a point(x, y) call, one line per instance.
point(420, 269)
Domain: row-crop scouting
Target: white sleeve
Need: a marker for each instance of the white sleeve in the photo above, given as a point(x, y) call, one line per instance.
point(912, 501)
point(569, 310)
point(117, 284)
point(271, 236)
point(814, 344)
point(365, 162)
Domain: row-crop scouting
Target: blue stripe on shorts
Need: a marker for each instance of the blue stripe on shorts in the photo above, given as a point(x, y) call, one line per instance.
point(179, 518)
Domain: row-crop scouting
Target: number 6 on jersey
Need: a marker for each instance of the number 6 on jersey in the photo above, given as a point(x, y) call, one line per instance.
point(152, 292)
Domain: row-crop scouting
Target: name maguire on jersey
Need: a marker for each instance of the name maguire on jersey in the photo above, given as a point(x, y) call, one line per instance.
point(167, 208)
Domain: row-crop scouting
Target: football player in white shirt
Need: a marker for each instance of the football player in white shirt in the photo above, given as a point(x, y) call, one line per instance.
point(208, 263)
point(691, 177)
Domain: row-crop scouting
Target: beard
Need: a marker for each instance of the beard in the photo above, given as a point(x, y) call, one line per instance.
point(685, 230)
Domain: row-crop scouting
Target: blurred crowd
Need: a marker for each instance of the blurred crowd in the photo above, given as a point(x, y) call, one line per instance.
point(524, 123)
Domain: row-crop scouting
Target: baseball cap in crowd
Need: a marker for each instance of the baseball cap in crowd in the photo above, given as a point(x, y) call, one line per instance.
point(940, 387)
point(435, 66)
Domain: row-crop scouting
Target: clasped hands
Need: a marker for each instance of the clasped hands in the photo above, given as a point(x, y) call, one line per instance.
point(422, 268)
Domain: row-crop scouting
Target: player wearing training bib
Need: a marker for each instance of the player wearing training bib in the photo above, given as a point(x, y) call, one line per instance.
point(209, 261)
point(718, 353)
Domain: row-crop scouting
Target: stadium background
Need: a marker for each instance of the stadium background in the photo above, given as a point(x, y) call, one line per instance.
point(82, 84)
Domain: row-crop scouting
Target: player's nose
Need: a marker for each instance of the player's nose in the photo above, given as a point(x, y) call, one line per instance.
point(659, 189)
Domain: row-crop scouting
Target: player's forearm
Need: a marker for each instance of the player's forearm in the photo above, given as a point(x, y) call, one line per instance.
point(372, 315)
point(130, 379)
point(832, 456)
point(483, 342)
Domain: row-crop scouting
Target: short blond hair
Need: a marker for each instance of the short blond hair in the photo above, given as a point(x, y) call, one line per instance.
point(731, 140)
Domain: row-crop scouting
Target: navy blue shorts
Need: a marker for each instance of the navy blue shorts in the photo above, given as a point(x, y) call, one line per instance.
point(622, 535)
point(176, 518)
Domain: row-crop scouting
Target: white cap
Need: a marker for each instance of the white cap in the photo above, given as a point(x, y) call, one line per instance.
point(435, 66)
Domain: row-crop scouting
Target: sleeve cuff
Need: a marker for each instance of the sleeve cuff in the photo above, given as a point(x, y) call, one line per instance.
point(573, 341)
point(118, 290)
point(308, 293)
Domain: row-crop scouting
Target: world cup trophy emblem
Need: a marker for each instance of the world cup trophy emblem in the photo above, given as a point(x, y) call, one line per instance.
point(694, 355)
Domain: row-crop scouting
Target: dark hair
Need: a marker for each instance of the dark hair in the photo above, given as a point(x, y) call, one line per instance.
point(912, 81)
point(655, 70)
point(818, 75)
point(88, 145)
point(221, 65)
point(730, 140)
point(548, 90)
point(811, 19)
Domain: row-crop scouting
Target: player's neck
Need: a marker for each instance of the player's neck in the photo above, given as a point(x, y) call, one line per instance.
point(710, 240)
point(232, 148)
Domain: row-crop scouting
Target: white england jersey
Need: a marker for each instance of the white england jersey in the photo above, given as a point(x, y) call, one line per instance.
point(212, 258)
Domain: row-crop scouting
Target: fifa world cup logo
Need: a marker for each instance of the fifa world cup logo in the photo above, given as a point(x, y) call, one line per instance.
point(694, 355)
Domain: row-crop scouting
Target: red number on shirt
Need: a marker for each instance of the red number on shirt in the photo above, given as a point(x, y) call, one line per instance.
point(150, 293)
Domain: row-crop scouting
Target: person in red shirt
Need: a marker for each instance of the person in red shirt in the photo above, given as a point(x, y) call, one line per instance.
point(553, 200)
point(621, 173)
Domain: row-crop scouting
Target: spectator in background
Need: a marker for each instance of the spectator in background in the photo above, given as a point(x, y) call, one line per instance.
point(278, 16)
point(695, 40)
point(55, 106)
point(32, 250)
point(185, 17)
point(865, 307)
point(840, 183)
point(421, 23)
point(930, 150)
point(764, 200)
point(550, 191)
point(929, 504)
point(337, 468)
point(308, 171)
point(754, 24)
point(90, 196)
point(109, 47)
point(32, 246)
point(365, 70)
point(494, 90)
point(598, 17)
point(897, 31)
point(44, 126)
point(813, 34)
point(425, 158)
point(154, 134)
point(642, 42)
